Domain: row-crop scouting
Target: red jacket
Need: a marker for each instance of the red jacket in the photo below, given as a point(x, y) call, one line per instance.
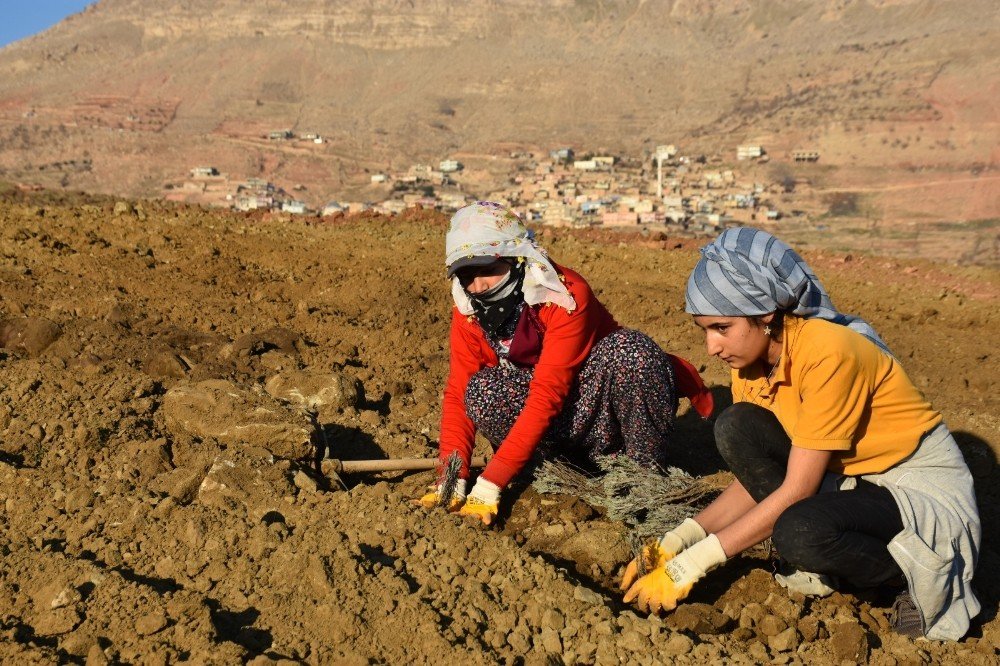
point(568, 339)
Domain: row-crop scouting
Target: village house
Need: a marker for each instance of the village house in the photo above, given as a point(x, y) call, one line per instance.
point(805, 155)
point(391, 207)
point(257, 185)
point(421, 171)
point(247, 202)
point(558, 214)
point(585, 165)
point(204, 172)
point(561, 154)
point(749, 152)
point(619, 219)
point(294, 207)
point(450, 166)
point(280, 135)
point(379, 178)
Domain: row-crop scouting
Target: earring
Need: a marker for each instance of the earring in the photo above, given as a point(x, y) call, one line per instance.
point(767, 330)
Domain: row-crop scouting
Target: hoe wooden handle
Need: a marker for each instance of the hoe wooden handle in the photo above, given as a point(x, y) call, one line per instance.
point(335, 466)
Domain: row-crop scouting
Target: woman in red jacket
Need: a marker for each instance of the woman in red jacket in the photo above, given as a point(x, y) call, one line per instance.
point(535, 356)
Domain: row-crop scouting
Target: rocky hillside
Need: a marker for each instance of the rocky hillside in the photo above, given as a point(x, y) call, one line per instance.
point(894, 94)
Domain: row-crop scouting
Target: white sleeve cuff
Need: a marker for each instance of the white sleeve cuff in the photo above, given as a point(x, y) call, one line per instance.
point(486, 491)
point(683, 536)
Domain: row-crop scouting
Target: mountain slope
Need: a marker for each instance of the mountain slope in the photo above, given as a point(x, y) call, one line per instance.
point(148, 90)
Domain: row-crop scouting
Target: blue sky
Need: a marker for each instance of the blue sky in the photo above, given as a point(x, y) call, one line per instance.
point(21, 18)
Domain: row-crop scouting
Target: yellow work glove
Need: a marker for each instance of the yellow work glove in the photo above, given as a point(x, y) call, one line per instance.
point(433, 498)
point(482, 502)
point(671, 544)
point(666, 585)
point(653, 557)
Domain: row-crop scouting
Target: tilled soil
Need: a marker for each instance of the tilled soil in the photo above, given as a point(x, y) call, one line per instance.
point(158, 368)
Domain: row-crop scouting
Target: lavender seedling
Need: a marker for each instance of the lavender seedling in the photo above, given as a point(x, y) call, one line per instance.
point(448, 479)
point(635, 545)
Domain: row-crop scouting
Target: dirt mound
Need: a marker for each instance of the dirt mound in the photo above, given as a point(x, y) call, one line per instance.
point(159, 501)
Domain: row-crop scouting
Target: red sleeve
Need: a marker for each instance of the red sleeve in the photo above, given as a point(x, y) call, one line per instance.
point(457, 430)
point(569, 337)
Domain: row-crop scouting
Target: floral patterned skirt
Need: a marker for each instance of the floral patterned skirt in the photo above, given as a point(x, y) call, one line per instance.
point(623, 401)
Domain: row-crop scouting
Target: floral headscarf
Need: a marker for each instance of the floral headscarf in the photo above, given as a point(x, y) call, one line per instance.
point(488, 229)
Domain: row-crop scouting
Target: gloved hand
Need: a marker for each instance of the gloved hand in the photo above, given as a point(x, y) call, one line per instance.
point(666, 585)
point(482, 502)
point(653, 557)
point(673, 542)
point(433, 498)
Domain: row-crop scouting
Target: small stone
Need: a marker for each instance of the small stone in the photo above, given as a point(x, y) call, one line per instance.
point(305, 482)
point(586, 650)
point(316, 390)
point(587, 596)
point(165, 365)
point(78, 643)
point(518, 642)
point(57, 621)
point(786, 641)
point(553, 619)
point(772, 625)
point(699, 618)
point(66, 597)
point(151, 623)
point(759, 652)
point(751, 615)
point(96, 656)
point(551, 641)
point(606, 653)
point(79, 498)
point(809, 628)
point(742, 634)
point(634, 642)
point(678, 644)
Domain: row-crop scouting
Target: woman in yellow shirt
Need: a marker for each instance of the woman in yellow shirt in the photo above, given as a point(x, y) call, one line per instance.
point(837, 456)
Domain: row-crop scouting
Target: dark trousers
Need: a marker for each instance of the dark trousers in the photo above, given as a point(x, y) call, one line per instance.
point(842, 533)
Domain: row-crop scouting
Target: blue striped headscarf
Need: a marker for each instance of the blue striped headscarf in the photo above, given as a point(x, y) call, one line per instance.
point(747, 272)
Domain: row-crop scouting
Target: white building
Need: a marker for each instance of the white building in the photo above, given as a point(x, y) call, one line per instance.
point(294, 207)
point(749, 152)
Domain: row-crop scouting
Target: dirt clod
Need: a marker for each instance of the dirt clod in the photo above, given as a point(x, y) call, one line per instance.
point(698, 618)
point(849, 641)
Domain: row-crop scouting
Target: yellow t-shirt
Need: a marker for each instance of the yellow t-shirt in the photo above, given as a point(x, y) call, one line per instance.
point(835, 390)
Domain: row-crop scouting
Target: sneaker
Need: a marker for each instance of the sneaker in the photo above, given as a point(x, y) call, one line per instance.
point(905, 618)
point(806, 582)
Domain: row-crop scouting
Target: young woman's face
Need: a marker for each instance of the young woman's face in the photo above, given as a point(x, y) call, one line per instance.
point(736, 340)
point(477, 279)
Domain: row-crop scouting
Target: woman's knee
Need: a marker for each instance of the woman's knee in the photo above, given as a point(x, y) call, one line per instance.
point(734, 427)
point(802, 537)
